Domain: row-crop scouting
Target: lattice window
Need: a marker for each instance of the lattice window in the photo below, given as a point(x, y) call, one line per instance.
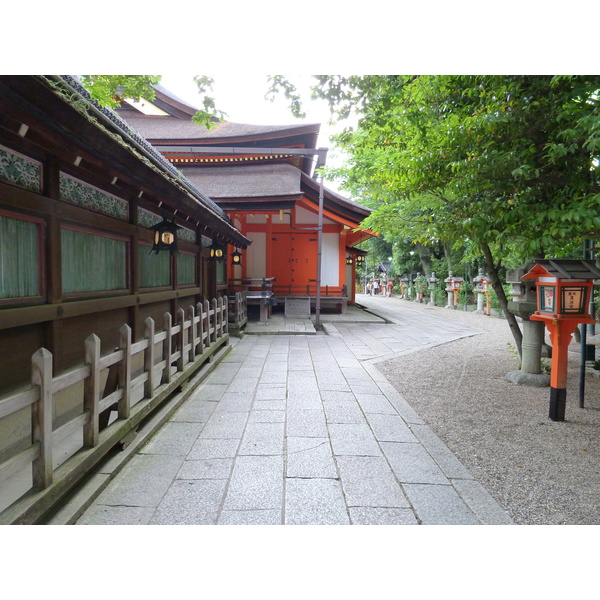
point(186, 268)
point(155, 269)
point(92, 262)
point(19, 257)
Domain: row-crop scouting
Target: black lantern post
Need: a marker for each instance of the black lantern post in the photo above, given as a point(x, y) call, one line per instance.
point(165, 236)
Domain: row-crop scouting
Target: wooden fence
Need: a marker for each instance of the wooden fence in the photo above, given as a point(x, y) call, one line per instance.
point(238, 312)
point(147, 372)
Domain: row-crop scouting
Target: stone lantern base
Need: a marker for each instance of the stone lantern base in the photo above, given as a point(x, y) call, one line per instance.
point(530, 379)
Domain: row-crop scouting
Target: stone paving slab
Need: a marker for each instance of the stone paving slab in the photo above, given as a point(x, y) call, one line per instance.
point(143, 482)
point(256, 483)
point(439, 505)
point(190, 502)
point(302, 430)
point(310, 457)
point(368, 481)
point(315, 502)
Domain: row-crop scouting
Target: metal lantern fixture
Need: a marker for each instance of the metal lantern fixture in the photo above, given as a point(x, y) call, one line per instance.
point(165, 236)
point(349, 260)
point(236, 258)
point(216, 252)
point(360, 260)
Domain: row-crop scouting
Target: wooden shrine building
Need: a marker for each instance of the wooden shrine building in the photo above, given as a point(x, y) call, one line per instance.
point(79, 193)
point(264, 178)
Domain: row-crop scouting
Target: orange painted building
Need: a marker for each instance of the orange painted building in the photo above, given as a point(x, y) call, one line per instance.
point(263, 177)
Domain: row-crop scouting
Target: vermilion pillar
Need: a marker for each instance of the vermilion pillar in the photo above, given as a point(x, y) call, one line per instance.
point(561, 332)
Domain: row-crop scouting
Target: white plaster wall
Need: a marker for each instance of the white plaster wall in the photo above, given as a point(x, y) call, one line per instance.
point(330, 260)
point(260, 219)
point(307, 217)
point(257, 254)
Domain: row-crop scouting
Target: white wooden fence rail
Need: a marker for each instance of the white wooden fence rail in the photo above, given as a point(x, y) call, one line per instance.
point(165, 354)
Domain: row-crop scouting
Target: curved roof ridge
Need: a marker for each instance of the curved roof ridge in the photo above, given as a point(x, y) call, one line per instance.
point(184, 104)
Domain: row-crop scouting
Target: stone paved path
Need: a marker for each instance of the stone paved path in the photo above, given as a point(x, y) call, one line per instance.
point(302, 429)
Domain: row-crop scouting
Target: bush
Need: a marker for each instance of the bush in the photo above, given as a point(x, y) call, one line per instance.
point(465, 294)
point(494, 301)
point(440, 296)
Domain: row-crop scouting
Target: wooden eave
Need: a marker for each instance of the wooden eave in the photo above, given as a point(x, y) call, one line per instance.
point(188, 159)
point(305, 164)
point(349, 220)
point(345, 208)
point(255, 204)
point(96, 152)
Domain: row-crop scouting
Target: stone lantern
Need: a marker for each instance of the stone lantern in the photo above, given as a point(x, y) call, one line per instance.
point(481, 289)
point(523, 305)
point(452, 287)
point(433, 280)
point(421, 287)
point(403, 283)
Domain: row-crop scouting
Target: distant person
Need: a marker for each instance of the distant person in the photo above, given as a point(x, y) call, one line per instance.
point(370, 288)
point(375, 286)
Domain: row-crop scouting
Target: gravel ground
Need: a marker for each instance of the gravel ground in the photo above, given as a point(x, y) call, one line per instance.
point(540, 471)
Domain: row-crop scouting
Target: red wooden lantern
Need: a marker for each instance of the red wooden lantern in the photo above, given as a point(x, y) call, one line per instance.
point(456, 282)
point(563, 294)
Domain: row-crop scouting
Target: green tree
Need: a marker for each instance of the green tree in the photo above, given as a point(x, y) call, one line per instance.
point(108, 90)
point(504, 165)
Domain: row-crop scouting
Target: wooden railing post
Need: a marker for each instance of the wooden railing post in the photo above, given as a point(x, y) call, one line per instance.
point(41, 417)
point(244, 302)
point(149, 359)
point(91, 391)
point(200, 309)
point(219, 319)
point(225, 317)
point(167, 346)
point(181, 339)
point(125, 371)
point(206, 310)
point(215, 323)
point(192, 334)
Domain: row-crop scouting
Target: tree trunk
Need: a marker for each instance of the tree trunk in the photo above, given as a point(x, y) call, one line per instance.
point(425, 256)
point(448, 255)
point(497, 286)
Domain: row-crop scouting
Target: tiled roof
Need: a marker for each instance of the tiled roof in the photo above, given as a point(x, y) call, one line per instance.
point(167, 127)
point(566, 269)
point(246, 181)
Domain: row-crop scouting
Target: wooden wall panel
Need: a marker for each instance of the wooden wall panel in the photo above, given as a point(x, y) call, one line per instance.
point(16, 347)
